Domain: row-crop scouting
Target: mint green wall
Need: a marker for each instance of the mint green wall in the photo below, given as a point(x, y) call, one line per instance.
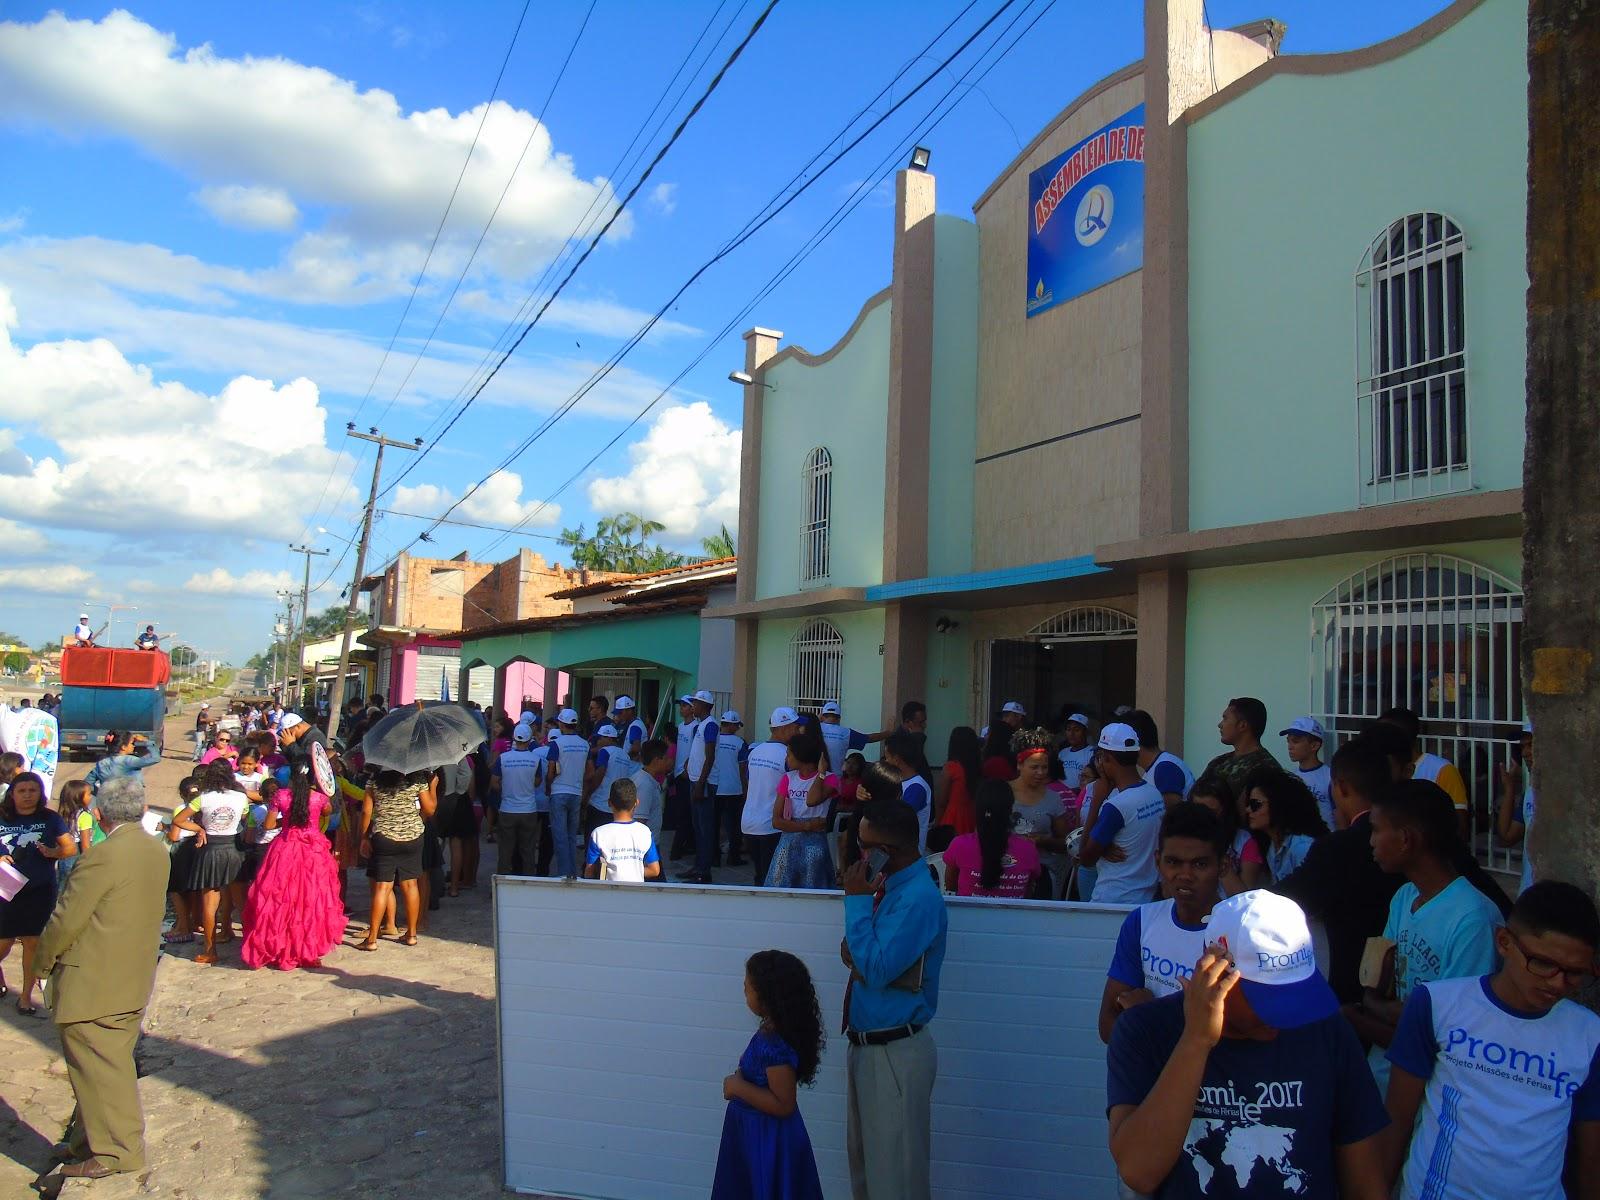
point(1288, 186)
point(863, 667)
point(949, 675)
point(497, 651)
point(1249, 634)
point(668, 639)
point(952, 432)
point(842, 405)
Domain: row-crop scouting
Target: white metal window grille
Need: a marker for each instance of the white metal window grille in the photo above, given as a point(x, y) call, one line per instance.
point(1411, 362)
point(816, 517)
point(1438, 635)
point(1086, 623)
point(816, 665)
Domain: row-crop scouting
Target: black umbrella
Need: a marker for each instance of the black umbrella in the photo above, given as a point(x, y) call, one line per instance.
point(421, 737)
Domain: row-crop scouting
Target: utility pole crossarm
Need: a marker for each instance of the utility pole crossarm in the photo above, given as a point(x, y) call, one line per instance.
point(352, 609)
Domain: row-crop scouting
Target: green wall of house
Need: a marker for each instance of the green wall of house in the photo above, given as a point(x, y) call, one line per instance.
point(669, 640)
point(840, 404)
point(1249, 634)
point(953, 419)
point(1288, 185)
point(862, 691)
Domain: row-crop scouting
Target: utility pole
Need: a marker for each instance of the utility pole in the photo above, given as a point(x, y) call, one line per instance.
point(1561, 510)
point(305, 611)
point(280, 635)
point(352, 609)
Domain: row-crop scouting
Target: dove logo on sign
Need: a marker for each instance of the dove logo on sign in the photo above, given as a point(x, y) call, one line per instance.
point(1093, 221)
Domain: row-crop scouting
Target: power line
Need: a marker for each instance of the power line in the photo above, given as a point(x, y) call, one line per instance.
point(428, 258)
point(849, 206)
point(769, 212)
point(604, 229)
point(504, 192)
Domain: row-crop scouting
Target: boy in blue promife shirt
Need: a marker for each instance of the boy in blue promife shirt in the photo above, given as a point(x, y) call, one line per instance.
point(1502, 1066)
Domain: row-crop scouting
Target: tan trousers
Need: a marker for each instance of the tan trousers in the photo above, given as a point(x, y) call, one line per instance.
point(108, 1122)
point(889, 1092)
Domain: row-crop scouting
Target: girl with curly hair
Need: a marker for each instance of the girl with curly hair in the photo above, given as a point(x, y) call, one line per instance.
point(766, 1151)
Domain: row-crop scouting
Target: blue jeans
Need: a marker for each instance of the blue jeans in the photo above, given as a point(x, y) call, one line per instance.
point(705, 831)
point(564, 810)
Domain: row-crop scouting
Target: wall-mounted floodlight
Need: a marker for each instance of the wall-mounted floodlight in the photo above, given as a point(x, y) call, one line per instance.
point(745, 379)
point(920, 157)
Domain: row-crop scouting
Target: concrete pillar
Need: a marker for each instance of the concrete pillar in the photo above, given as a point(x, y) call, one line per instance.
point(744, 672)
point(759, 346)
point(905, 496)
point(905, 658)
point(1159, 664)
point(554, 701)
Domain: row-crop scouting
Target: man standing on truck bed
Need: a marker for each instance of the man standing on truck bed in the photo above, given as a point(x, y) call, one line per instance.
point(82, 635)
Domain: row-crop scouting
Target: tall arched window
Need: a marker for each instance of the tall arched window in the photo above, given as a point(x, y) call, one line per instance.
point(816, 515)
point(1411, 361)
point(816, 665)
point(1441, 636)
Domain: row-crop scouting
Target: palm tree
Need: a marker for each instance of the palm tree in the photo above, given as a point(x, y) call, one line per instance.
point(719, 544)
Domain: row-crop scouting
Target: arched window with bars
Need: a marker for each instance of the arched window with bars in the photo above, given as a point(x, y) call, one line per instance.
point(1411, 362)
point(816, 665)
point(816, 517)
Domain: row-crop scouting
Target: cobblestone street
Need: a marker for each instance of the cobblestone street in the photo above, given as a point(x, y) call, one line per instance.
point(372, 1076)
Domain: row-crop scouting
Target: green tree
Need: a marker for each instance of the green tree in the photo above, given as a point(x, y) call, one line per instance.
point(620, 543)
point(16, 662)
point(719, 544)
point(182, 656)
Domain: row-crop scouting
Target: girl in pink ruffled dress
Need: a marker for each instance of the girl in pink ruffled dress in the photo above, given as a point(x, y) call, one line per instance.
point(293, 915)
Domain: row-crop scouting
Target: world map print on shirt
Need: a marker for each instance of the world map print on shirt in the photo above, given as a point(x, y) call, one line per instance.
point(1215, 1144)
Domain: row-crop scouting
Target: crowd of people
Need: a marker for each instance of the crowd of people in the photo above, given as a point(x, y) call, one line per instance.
point(1234, 1060)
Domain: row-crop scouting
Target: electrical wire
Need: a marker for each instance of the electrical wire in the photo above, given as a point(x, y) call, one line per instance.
point(862, 191)
point(769, 213)
point(622, 206)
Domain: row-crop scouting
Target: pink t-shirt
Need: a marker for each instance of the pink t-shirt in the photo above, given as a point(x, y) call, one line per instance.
point(1019, 866)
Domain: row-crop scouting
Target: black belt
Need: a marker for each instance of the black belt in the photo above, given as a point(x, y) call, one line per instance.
point(881, 1037)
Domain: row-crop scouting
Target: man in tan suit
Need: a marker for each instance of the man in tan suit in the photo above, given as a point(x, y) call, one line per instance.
point(99, 953)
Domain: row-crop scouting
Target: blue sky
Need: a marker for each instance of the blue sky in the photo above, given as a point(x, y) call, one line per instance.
point(213, 216)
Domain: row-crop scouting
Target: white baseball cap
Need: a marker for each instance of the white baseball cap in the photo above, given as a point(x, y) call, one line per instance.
point(290, 720)
point(1011, 706)
point(832, 709)
point(205, 704)
point(624, 702)
point(1266, 937)
point(606, 731)
point(1119, 737)
point(731, 718)
point(705, 697)
point(782, 716)
point(522, 733)
point(83, 616)
point(567, 717)
point(686, 698)
point(529, 715)
point(1078, 719)
point(1309, 726)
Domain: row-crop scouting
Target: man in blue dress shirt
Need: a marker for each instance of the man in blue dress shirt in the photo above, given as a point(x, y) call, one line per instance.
point(895, 926)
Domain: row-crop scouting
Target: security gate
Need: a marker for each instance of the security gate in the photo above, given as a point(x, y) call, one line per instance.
point(1438, 635)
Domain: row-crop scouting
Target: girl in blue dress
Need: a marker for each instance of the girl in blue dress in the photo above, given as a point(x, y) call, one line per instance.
point(766, 1152)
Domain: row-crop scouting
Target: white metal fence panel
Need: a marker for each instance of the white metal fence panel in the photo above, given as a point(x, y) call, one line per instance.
point(621, 1010)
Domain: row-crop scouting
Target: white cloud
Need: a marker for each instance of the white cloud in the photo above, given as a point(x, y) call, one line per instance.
point(50, 581)
point(219, 581)
point(498, 501)
point(19, 541)
point(250, 207)
point(664, 198)
point(148, 458)
point(381, 174)
point(685, 474)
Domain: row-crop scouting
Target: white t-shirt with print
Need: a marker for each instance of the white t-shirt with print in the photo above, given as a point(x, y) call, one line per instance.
point(626, 848)
point(766, 766)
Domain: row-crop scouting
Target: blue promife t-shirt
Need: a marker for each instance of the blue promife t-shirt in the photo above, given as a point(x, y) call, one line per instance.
point(1269, 1115)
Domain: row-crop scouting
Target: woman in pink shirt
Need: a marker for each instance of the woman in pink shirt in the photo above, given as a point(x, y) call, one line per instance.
point(993, 861)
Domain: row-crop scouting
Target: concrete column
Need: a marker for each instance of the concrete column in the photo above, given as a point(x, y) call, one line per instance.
point(1159, 666)
point(744, 672)
point(905, 658)
point(499, 701)
point(759, 346)
point(905, 496)
point(554, 701)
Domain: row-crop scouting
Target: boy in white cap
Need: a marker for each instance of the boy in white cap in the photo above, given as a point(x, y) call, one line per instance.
point(1248, 1083)
point(678, 812)
point(1122, 829)
point(608, 762)
point(521, 825)
point(1076, 753)
point(702, 800)
point(632, 730)
point(568, 752)
point(839, 738)
point(728, 774)
point(1304, 738)
point(81, 633)
point(1013, 714)
point(765, 766)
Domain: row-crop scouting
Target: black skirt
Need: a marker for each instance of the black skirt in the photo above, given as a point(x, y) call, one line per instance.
point(463, 820)
point(216, 865)
point(394, 862)
point(182, 858)
point(25, 914)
